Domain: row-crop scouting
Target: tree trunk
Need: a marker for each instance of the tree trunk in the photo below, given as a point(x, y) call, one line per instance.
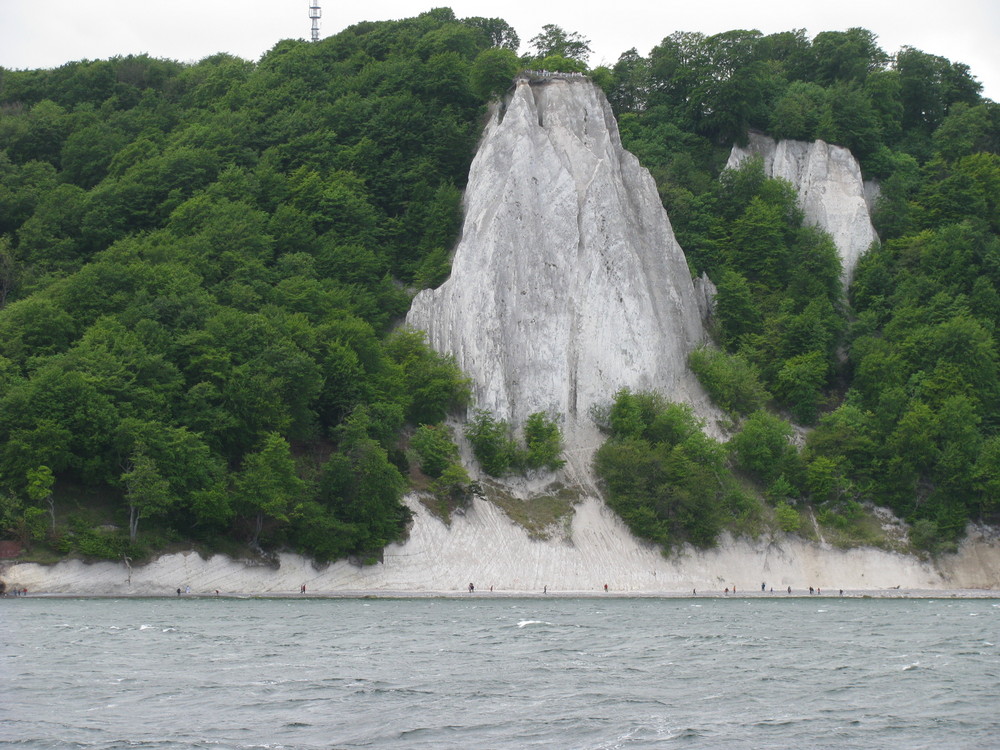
point(133, 522)
point(258, 526)
point(52, 511)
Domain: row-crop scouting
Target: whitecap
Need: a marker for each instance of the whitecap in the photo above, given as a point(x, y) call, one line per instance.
point(910, 667)
point(524, 623)
point(146, 627)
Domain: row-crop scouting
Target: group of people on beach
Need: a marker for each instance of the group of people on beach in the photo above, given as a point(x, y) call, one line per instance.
point(472, 588)
point(763, 589)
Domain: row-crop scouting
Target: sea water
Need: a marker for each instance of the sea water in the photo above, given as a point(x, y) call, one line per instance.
point(477, 672)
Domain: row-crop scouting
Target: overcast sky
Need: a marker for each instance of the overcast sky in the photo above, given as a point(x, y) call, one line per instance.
point(48, 33)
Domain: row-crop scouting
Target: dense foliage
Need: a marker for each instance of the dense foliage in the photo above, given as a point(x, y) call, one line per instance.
point(903, 380)
point(668, 480)
point(199, 267)
point(499, 452)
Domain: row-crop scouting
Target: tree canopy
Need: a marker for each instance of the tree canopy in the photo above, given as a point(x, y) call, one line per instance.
point(203, 267)
point(898, 373)
point(200, 265)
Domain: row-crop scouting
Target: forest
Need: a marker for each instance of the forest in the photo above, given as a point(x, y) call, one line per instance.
point(203, 268)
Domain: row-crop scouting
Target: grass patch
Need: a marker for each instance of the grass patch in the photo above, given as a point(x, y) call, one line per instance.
point(439, 507)
point(540, 515)
point(856, 526)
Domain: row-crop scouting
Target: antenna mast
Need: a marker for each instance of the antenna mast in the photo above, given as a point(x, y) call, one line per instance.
point(314, 14)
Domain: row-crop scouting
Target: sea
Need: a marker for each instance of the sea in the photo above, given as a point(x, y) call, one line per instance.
point(480, 672)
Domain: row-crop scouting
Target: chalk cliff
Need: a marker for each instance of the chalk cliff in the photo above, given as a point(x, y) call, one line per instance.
point(567, 283)
point(831, 192)
point(485, 547)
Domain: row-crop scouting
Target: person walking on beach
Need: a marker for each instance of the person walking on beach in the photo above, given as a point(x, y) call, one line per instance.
point(471, 587)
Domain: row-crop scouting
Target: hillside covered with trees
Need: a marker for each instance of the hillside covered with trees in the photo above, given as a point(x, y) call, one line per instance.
point(202, 267)
point(898, 374)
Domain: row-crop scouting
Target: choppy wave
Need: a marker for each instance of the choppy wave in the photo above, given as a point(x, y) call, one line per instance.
point(348, 674)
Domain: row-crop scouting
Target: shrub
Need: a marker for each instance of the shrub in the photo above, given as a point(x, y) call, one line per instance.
point(789, 519)
point(435, 448)
point(762, 448)
point(491, 443)
point(732, 381)
point(544, 443)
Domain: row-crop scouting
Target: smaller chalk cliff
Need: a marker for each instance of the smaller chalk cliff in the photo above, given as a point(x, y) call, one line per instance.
point(567, 283)
point(831, 192)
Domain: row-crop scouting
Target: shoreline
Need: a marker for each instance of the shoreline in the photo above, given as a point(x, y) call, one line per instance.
point(485, 547)
point(403, 595)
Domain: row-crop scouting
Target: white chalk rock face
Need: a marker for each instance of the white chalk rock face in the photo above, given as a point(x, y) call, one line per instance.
point(567, 283)
point(831, 192)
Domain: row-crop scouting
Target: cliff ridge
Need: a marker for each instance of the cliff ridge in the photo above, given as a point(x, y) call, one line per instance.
point(567, 283)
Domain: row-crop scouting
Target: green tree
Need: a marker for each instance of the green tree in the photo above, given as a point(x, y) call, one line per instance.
point(40, 481)
point(543, 439)
point(493, 72)
point(732, 381)
point(798, 112)
point(268, 485)
point(500, 33)
point(789, 519)
point(846, 55)
point(763, 448)
point(554, 41)
point(849, 119)
point(800, 384)
point(362, 487)
point(491, 442)
point(736, 309)
point(630, 87)
point(87, 153)
point(965, 130)
point(661, 473)
point(434, 385)
point(823, 479)
point(453, 486)
point(986, 478)
point(146, 492)
point(435, 447)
